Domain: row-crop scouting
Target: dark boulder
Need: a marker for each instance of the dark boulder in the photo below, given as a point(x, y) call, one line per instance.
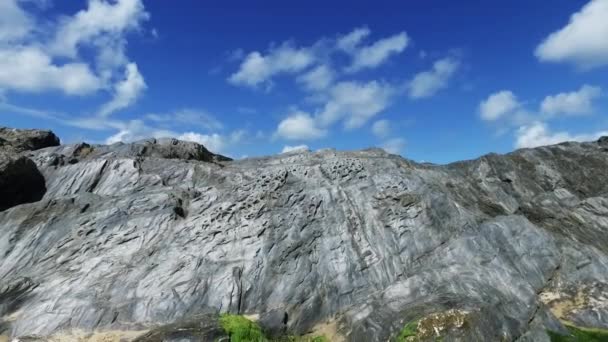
point(27, 139)
point(20, 181)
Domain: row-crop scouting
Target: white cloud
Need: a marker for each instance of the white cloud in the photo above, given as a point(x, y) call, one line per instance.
point(257, 68)
point(213, 142)
point(318, 78)
point(126, 92)
point(15, 23)
point(538, 134)
point(299, 126)
point(381, 128)
point(30, 63)
point(111, 56)
point(583, 41)
point(428, 83)
point(355, 102)
point(103, 26)
point(100, 19)
point(373, 55)
point(498, 104)
point(394, 146)
point(298, 148)
point(29, 69)
point(350, 41)
point(135, 130)
point(576, 102)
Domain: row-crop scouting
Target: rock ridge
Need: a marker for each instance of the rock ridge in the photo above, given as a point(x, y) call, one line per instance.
point(503, 247)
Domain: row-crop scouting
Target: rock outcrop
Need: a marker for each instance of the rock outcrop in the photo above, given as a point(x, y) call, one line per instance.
point(27, 139)
point(154, 233)
point(20, 180)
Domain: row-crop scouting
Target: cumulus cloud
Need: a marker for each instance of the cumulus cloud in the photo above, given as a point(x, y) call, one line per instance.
point(317, 79)
point(350, 41)
point(582, 41)
point(381, 128)
point(213, 142)
point(299, 126)
point(394, 146)
point(15, 23)
point(572, 103)
point(29, 69)
point(428, 83)
point(135, 130)
point(355, 103)
point(257, 68)
point(377, 53)
point(538, 134)
point(498, 105)
point(100, 19)
point(31, 63)
point(126, 92)
point(287, 148)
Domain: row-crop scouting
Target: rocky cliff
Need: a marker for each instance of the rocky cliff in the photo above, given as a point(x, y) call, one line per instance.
point(354, 245)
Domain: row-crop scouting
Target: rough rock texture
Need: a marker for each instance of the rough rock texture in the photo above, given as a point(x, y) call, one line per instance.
point(368, 240)
point(27, 139)
point(20, 180)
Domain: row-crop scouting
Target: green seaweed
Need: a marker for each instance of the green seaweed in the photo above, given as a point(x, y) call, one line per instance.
point(578, 334)
point(409, 330)
point(240, 329)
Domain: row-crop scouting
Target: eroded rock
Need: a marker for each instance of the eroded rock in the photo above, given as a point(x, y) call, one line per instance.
point(155, 232)
point(27, 139)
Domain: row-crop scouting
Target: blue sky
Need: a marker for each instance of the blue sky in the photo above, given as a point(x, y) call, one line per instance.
point(435, 81)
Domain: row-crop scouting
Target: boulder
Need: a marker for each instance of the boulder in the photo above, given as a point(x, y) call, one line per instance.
point(20, 180)
point(27, 139)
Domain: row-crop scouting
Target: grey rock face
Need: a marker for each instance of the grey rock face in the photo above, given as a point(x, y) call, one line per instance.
point(365, 239)
point(161, 148)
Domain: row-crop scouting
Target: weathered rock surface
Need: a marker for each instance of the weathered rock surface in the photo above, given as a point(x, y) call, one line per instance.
point(20, 180)
point(498, 248)
point(27, 139)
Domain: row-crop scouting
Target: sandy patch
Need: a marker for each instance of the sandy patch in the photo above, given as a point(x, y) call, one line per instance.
point(98, 336)
point(328, 329)
point(252, 317)
point(560, 305)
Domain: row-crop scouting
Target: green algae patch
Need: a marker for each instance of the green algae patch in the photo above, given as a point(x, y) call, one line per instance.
point(578, 334)
point(409, 330)
point(240, 329)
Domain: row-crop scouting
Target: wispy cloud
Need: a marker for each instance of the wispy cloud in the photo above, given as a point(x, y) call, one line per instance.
point(428, 83)
point(258, 68)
